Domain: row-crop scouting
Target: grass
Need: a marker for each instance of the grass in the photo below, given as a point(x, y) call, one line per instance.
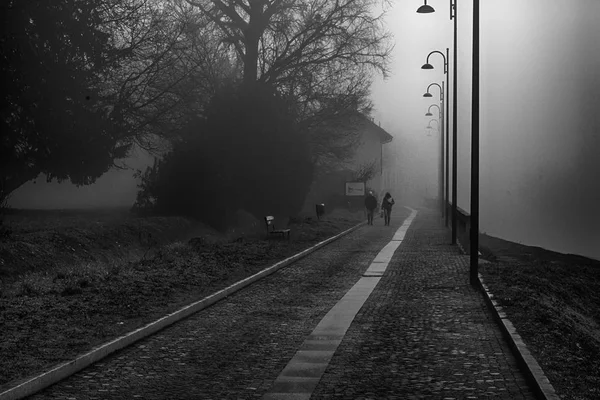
point(553, 300)
point(47, 239)
point(87, 278)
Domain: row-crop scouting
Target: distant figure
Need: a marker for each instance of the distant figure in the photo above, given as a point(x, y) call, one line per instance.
point(371, 205)
point(387, 204)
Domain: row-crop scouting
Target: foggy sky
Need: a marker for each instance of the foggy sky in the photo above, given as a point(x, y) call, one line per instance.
point(540, 119)
point(540, 104)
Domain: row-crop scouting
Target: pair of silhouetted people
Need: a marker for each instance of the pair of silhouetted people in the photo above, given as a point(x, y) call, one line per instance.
point(386, 207)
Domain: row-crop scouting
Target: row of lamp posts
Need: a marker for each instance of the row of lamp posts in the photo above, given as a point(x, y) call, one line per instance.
point(474, 212)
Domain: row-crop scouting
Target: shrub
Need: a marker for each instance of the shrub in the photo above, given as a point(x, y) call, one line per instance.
point(246, 153)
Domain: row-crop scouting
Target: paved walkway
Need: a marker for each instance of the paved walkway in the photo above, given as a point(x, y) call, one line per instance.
point(421, 332)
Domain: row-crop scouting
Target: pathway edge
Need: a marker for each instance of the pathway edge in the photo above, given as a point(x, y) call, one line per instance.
point(529, 365)
point(31, 385)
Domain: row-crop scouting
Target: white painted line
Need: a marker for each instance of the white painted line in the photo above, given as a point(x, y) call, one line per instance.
point(62, 371)
point(336, 322)
point(400, 233)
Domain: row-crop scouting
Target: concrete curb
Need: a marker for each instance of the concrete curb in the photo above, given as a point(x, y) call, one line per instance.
point(528, 364)
point(36, 383)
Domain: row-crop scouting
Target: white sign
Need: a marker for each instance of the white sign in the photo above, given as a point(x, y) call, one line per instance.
point(355, 188)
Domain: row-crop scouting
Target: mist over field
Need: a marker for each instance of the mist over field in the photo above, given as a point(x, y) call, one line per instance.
point(540, 121)
point(116, 188)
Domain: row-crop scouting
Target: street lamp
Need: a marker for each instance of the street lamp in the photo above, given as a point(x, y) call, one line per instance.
point(433, 120)
point(474, 256)
point(427, 94)
point(427, 65)
point(445, 197)
point(442, 117)
point(426, 9)
point(429, 114)
point(474, 238)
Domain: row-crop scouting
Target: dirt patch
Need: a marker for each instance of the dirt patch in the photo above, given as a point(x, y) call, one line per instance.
point(553, 300)
point(52, 311)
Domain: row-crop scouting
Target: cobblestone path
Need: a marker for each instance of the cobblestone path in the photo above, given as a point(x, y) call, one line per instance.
point(236, 348)
point(424, 333)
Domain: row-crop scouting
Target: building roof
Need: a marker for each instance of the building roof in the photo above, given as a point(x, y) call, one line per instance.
point(384, 137)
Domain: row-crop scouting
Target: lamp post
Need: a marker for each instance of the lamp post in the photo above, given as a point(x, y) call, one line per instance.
point(440, 114)
point(474, 256)
point(429, 114)
point(442, 117)
point(429, 127)
point(426, 9)
point(445, 197)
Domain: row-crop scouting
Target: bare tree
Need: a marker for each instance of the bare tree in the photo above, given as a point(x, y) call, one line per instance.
point(366, 171)
point(169, 61)
point(320, 53)
point(278, 36)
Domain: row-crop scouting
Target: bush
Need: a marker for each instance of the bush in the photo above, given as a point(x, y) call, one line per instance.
point(5, 230)
point(247, 153)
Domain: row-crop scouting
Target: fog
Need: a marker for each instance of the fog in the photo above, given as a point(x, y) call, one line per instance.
point(540, 103)
point(540, 120)
point(116, 188)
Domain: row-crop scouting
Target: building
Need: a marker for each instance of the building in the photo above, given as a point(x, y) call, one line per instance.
point(329, 188)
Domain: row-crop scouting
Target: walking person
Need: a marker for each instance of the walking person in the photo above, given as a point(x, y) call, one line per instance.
point(387, 204)
point(371, 205)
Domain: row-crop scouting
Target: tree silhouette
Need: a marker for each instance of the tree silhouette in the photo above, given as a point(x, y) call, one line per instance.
point(282, 36)
point(52, 115)
point(320, 53)
point(83, 81)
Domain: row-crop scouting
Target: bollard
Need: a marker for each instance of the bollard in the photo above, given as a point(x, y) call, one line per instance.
point(320, 208)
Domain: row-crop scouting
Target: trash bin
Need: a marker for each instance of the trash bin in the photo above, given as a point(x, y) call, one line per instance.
point(320, 208)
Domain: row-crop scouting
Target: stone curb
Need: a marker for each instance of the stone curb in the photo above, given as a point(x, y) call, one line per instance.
point(36, 383)
point(528, 364)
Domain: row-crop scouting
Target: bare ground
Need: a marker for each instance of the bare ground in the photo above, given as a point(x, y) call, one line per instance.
point(553, 300)
point(72, 281)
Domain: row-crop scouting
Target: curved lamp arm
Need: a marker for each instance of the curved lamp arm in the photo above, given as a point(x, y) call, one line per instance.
point(431, 127)
point(441, 91)
point(429, 66)
point(429, 114)
point(426, 9)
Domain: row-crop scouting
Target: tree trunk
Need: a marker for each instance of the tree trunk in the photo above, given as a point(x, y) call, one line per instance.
point(252, 34)
point(251, 57)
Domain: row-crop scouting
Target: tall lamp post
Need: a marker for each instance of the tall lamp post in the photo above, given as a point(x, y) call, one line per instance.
point(427, 65)
point(426, 9)
point(474, 256)
point(442, 117)
point(438, 129)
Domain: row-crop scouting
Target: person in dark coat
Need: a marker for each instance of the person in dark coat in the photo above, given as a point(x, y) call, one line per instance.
point(386, 205)
point(371, 205)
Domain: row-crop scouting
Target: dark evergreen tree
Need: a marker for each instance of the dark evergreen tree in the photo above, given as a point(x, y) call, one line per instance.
point(53, 119)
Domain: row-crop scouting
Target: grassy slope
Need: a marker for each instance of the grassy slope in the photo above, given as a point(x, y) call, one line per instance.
point(50, 312)
point(553, 300)
point(49, 239)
